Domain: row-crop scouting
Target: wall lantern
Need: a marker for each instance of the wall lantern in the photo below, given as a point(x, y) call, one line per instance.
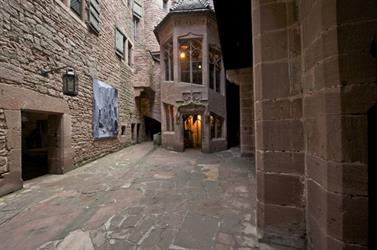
point(70, 80)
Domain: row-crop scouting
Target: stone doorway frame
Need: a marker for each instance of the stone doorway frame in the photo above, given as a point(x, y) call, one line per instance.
point(13, 100)
point(192, 108)
point(201, 128)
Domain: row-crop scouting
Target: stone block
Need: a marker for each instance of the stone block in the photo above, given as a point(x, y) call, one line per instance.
point(282, 162)
point(10, 182)
point(257, 49)
point(316, 136)
point(317, 203)
point(13, 118)
point(342, 217)
point(279, 109)
point(347, 138)
point(355, 219)
point(346, 11)
point(275, 85)
point(326, 73)
point(357, 68)
point(281, 225)
point(316, 234)
point(258, 84)
point(312, 25)
point(356, 37)
point(357, 99)
point(3, 164)
point(328, 14)
point(256, 22)
point(14, 160)
point(270, 137)
point(274, 46)
point(313, 105)
point(346, 178)
point(273, 16)
point(280, 189)
point(313, 54)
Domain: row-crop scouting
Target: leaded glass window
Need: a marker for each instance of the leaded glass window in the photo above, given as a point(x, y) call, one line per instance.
point(190, 58)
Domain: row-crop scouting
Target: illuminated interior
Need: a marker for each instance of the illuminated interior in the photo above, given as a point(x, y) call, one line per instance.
point(193, 131)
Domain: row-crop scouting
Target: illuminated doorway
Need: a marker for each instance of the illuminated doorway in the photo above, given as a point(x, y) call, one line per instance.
point(192, 130)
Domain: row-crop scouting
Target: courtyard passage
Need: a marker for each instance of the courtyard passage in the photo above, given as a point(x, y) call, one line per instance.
point(142, 197)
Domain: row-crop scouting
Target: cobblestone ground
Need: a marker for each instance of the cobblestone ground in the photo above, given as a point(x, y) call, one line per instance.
point(143, 197)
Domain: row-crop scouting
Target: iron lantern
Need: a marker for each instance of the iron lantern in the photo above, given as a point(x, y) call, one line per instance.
point(70, 82)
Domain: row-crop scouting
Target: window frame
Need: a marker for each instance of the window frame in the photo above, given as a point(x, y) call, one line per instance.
point(215, 69)
point(216, 126)
point(136, 27)
point(130, 53)
point(120, 53)
point(191, 71)
point(169, 117)
point(165, 4)
point(168, 51)
point(81, 8)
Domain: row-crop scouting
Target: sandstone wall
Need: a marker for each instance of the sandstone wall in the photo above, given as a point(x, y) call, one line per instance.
point(279, 129)
point(147, 72)
point(314, 82)
point(339, 88)
point(46, 34)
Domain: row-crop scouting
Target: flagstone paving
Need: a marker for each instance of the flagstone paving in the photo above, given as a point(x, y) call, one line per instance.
point(142, 197)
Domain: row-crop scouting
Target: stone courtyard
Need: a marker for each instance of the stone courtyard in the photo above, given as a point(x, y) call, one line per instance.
point(142, 197)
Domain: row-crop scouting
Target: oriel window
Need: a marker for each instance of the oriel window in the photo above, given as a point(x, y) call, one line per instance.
point(190, 58)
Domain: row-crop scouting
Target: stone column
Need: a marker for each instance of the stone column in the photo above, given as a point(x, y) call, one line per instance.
point(279, 129)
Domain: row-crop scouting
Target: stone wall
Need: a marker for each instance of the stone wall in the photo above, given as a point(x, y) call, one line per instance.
point(47, 34)
point(147, 70)
point(314, 82)
point(279, 129)
point(244, 78)
point(339, 87)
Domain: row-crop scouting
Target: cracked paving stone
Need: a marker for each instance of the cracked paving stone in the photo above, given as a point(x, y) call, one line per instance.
point(197, 232)
point(142, 197)
point(77, 240)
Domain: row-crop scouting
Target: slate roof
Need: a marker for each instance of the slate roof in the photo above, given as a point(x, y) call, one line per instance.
point(191, 5)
